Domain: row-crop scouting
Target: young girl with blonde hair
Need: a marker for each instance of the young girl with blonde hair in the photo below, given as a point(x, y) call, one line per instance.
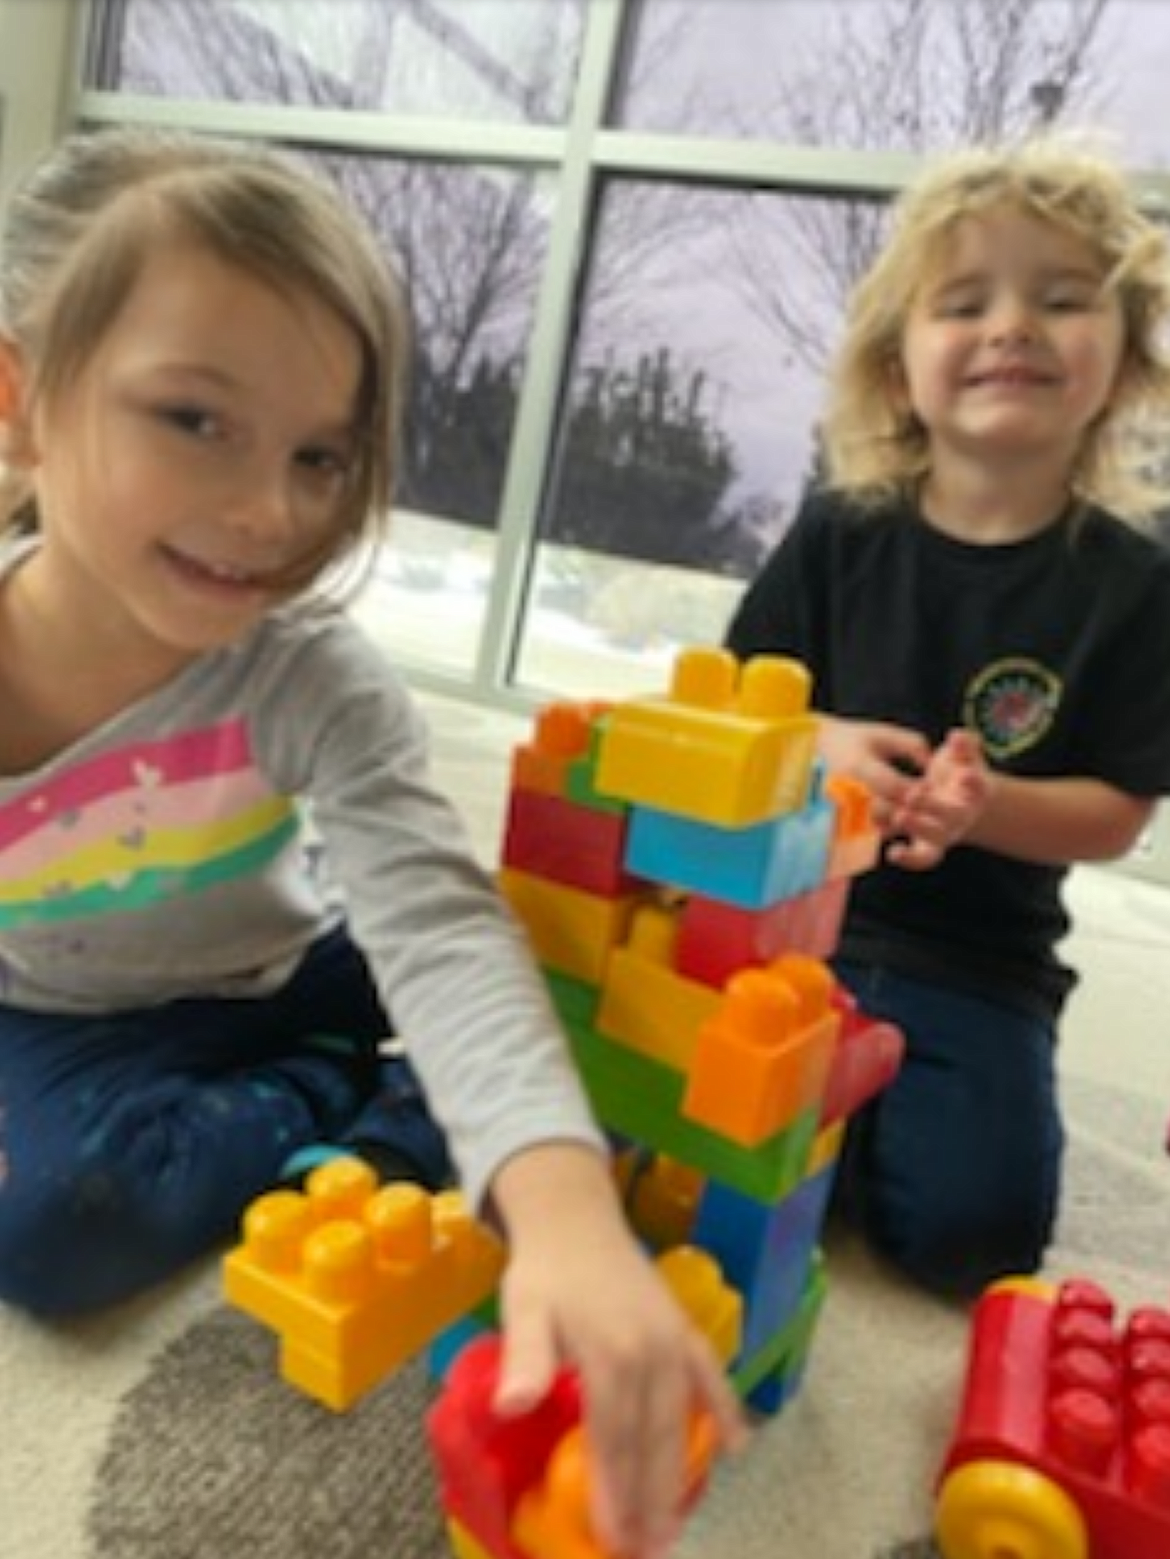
point(988, 629)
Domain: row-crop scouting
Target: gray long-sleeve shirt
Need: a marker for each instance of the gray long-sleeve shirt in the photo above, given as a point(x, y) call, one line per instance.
point(164, 856)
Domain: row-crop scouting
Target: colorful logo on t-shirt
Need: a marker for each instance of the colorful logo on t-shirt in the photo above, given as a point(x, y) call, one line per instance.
point(1012, 704)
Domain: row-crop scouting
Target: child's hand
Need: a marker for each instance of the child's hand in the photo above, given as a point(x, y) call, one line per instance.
point(889, 760)
point(943, 807)
point(578, 1290)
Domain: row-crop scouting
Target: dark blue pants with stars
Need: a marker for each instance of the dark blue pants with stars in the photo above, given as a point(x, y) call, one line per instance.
point(130, 1143)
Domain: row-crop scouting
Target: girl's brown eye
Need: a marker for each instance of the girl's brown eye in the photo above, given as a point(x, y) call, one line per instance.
point(190, 419)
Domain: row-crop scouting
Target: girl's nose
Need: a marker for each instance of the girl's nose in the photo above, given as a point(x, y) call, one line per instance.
point(262, 507)
point(1012, 322)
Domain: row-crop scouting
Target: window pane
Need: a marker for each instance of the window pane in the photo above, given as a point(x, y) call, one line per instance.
point(505, 60)
point(903, 75)
point(469, 243)
point(687, 438)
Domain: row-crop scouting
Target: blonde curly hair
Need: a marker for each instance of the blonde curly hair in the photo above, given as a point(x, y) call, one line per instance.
point(875, 450)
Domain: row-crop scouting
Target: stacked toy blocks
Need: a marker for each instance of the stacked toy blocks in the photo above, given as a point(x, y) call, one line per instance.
point(355, 1279)
point(682, 866)
point(1062, 1446)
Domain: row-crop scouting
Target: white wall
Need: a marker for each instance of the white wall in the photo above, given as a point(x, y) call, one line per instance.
point(37, 78)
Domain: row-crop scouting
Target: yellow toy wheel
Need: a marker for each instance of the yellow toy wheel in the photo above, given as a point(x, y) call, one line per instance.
point(1000, 1510)
point(1040, 1287)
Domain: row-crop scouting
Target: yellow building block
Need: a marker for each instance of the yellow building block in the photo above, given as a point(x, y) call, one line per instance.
point(765, 1056)
point(713, 1305)
point(571, 931)
point(355, 1279)
point(726, 745)
point(463, 1545)
point(661, 1197)
point(826, 1148)
point(645, 1003)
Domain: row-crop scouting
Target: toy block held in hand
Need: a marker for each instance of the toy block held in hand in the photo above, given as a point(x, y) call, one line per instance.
point(355, 1279)
point(519, 1487)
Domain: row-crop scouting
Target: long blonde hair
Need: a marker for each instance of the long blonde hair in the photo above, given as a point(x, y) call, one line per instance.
point(875, 450)
point(81, 227)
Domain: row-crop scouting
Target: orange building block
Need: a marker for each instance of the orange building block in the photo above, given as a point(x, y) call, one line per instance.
point(727, 745)
point(354, 1279)
point(561, 733)
point(463, 1545)
point(552, 1517)
point(645, 1003)
point(856, 842)
point(571, 931)
point(765, 1056)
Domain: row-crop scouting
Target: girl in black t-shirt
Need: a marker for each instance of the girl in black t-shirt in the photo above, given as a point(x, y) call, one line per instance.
point(988, 630)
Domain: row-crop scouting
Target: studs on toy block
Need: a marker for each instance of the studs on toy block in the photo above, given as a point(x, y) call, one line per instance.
point(721, 747)
point(1062, 1446)
point(764, 1057)
point(354, 1279)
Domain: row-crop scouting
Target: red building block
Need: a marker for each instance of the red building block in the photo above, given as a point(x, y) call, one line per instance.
point(716, 940)
point(485, 1463)
point(866, 1060)
point(519, 1488)
point(1062, 1447)
point(551, 836)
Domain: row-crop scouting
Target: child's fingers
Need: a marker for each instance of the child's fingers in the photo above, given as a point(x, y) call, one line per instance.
point(528, 1365)
point(636, 1432)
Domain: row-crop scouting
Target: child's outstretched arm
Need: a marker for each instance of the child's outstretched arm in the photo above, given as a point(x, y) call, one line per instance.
point(578, 1290)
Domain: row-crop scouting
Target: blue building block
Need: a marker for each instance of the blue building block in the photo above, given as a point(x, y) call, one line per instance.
point(765, 1251)
point(771, 1376)
point(751, 867)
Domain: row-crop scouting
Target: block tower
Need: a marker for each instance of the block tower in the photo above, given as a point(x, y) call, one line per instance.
point(682, 866)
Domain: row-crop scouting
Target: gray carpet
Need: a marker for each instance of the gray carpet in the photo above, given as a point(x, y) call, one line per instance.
point(212, 1455)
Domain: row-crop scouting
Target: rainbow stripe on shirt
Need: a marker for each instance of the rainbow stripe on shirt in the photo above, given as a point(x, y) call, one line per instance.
point(139, 825)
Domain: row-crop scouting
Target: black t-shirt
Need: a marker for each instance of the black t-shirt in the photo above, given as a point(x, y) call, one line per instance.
point(1055, 650)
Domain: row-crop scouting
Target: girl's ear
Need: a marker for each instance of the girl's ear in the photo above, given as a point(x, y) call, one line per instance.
point(16, 434)
point(11, 382)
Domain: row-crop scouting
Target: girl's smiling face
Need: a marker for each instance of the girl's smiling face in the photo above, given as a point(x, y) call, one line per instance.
point(1013, 346)
point(195, 472)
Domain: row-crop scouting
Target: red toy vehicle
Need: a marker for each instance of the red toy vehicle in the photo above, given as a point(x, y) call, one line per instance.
point(1062, 1448)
